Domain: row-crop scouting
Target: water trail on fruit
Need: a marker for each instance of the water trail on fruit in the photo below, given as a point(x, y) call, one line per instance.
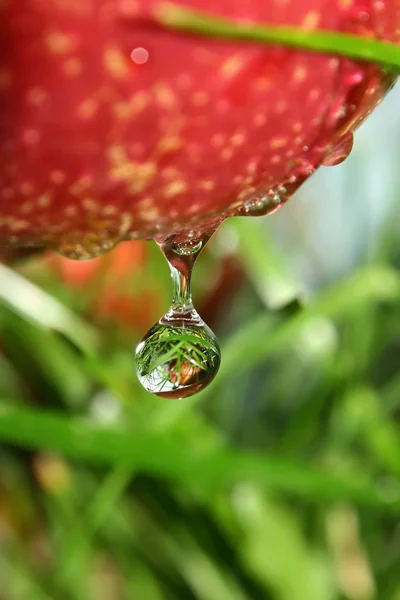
point(180, 355)
point(269, 201)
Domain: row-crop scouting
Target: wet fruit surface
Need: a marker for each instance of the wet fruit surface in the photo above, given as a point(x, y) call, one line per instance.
point(112, 127)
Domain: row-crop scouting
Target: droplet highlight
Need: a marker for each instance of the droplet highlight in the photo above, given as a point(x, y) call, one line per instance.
point(140, 55)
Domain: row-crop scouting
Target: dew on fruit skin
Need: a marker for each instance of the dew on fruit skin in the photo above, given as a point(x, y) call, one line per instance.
point(85, 247)
point(263, 204)
point(180, 355)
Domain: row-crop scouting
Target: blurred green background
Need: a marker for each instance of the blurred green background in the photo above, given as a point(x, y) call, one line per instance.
point(282, 480)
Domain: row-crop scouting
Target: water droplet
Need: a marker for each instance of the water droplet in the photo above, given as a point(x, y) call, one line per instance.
point(363, 16)
point(188, 247)
point(180, 355)
point(262, 205)
point(140, 55)
point(85, 246)
point(339, 152)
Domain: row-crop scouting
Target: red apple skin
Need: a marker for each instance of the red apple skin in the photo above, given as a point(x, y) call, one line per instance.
point(112, 127)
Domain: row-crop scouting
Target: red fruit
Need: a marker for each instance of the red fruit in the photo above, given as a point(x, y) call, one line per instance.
point(112, 127)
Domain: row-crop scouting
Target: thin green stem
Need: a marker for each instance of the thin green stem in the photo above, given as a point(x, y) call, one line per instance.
point(353, 46)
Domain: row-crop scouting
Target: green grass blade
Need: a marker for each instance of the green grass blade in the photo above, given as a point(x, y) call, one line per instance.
point(258, 341)
point(255, 342)
point(34, 304)
point(352, 46)
point(159, 455)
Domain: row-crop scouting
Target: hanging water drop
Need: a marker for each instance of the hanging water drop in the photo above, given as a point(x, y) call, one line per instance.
point(339, 152)
point(180, 355)
point(188, 247)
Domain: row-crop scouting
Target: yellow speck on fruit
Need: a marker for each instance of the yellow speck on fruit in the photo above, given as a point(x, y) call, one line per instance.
point(116, 153)
point(147, 210)
point(73, 67)
point(194, 209)
point(279, 142)
point(238, 139)
point(26, 207)
point(169, 143)
point(80, 187)
point(311, 20)
point(200, 98)
point(71, 210)
point(226, 154)
point(218, 140)
point(300, 74)
point(44, 200)
point(334, 63)
point(115, 63)
point(259, 120)
point(175, 188)
point(232, 66)
point(150, 214)
point(59, 43)
point(203, 56)
point(282, 106)
point(87, 109)
point(170, 173)
point(164, 95)
point(136, 175)
point(251, 167)
point(26, 188)
point(314, 94)
point(90, 205)
point(57, 177)
point(126, 223)
point(207, 184)
point(18, 224)
point(31, 136)
point(128, 8)
point(132, 108)
point(109, 210)
point(263, 83)
point(184, 81)
point(36, 96)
